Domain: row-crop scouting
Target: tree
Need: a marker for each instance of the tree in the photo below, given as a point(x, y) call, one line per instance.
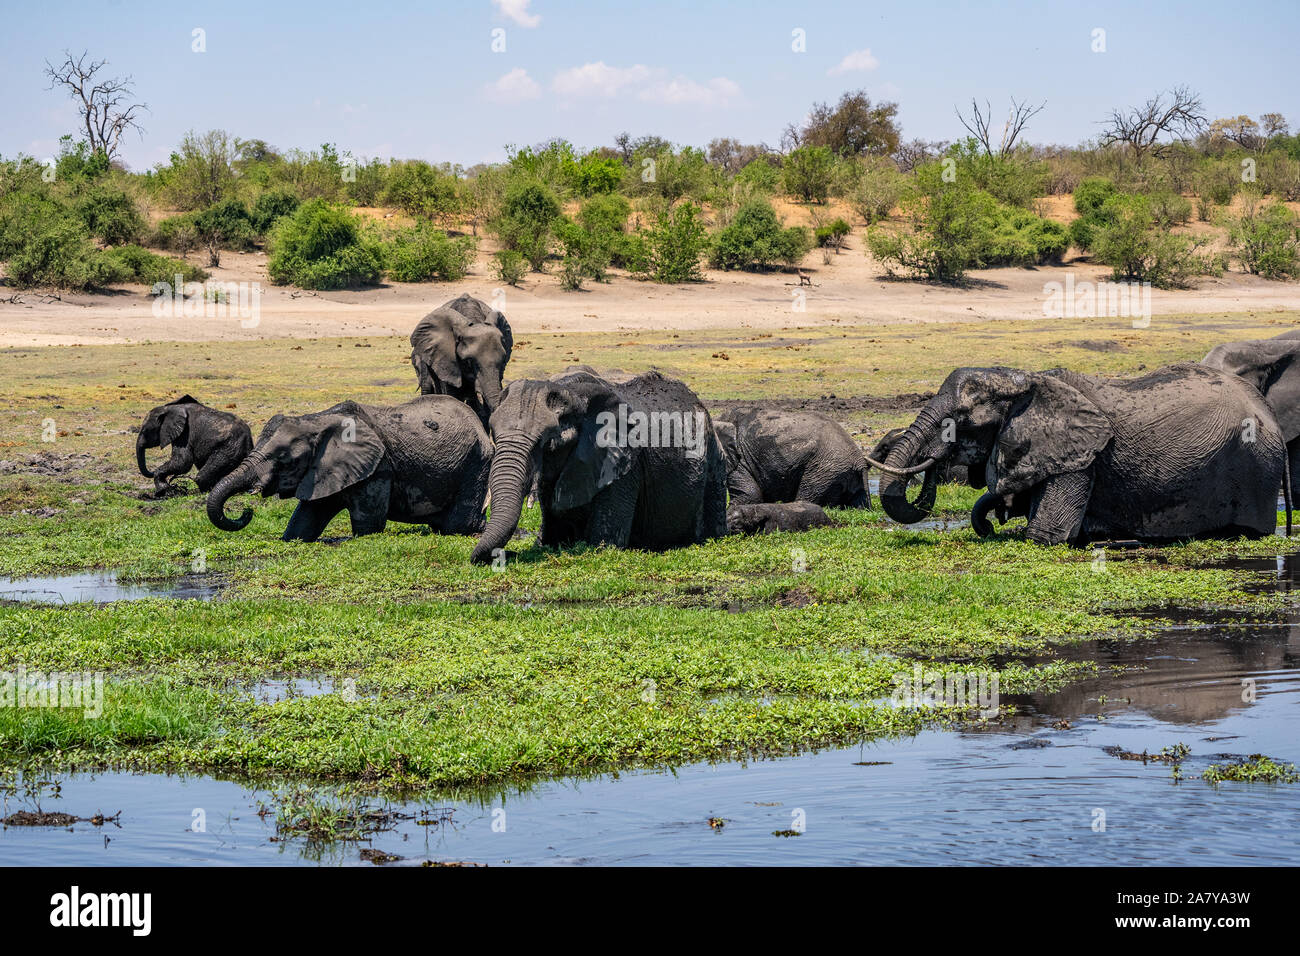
point(853, 127)
point(980, 121)
point(106, 104)
point(1241, 130)
point(808, 171)
point(202, 173)
point(1274, 124)
point(1176, 113)
point(732, 156)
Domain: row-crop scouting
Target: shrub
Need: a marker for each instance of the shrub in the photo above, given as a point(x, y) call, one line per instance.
point(1217, 181)
point(1135, 246)
point(880, 185)
point(109, 214)
point(141, 265)
point(419, 189)
point(1092, 194)
point(424, 253)
point(58, 254)
point(671, 249)
point(595, 174)
point(1015, 180)
point(511, 266)
point(177, 233)
point(527, 220)
point(322, 246)
point(1266, 240)
point(755, 239)
point(761, 175)
point(270, 206)
point(807, 172)
point(832, 234)
point(1170, 209)
point(224, 226)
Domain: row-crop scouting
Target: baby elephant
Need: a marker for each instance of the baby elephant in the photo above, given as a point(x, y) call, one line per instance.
point(775, 455)
point(212, 441)
point(784, 516)
point(424, 462)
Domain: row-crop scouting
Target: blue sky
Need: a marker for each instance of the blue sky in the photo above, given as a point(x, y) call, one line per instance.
point(421, 79)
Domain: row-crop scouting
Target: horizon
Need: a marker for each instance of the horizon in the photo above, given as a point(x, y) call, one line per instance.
point(585, 74)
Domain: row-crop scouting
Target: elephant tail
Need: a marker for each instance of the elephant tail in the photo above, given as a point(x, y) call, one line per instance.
point(1286, 486)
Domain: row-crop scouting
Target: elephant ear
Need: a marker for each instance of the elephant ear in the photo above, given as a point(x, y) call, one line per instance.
point(434, 340)
point(348, 451)
point(173, 424)
point(507, 340)
point(596, 461)
point(1057, 431)
point(726, 432)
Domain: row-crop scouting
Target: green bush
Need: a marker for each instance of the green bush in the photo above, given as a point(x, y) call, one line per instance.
point(322, 246)
point(141, 265)
point(1092, 193)
point(832, 234)
point(755, 239)
point(1014, 180)
point(671, 249)
point(1170, 209)
point(879, 187)
point(58, 254)
point(177, 233)
point(511, 266)
point(109, 215)
point(1266, 240)
point(595, 174)
point(761, 175)
point(527, 220)
point(226, 225)
point(424, 253)
point(419, 189)
point(269, 207)
point(1131, 241)
point(807, 172)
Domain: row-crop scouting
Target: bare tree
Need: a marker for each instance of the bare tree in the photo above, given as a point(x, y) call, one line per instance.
point(1177, 114)
point(107, 104)
point(981, 120)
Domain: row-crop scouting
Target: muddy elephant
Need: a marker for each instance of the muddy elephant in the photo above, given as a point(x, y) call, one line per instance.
point(461, 349)
point(776, 455)
point(633, 463)
point(423, 462)
point(1183, 452)
point(208, 439)
point(948, 471)
point(770, 517)
point(1273, 367)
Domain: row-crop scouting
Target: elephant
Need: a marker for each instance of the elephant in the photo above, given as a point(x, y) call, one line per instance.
point(461, 349)
point(201, 437)
point(632, 464)
point(777, 516)
point(422, 462)
point(774, 455)
point(948, 470)
point(1183, 452)
point(1273, 367)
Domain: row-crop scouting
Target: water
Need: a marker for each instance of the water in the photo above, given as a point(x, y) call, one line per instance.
point(1032, 788)
point(102, 587)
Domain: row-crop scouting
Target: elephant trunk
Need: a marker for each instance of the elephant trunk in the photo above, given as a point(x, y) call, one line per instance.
point(979, 515)
point(508, 481)
point(898, 466)
point(140, 445)
point(251, 472)
point(489, 386)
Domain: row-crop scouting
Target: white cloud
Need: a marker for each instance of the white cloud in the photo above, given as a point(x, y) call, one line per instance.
point(859, 61)
point(517, 12)
point(599, 79)
point(515, 87)
point(718, 91)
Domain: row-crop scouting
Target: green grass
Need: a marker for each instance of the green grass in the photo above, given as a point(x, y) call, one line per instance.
point(565, 662)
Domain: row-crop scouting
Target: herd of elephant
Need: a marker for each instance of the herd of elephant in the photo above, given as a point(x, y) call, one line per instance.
point(1188, 451)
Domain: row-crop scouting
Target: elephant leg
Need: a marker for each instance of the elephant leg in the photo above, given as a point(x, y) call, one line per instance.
point(180, 462)
point(463, 517)
point(368, 506)
point(213, 470)
point(1293, 455)
point(744, 489)
point(1057, 516)
point(613, 510)
point(311, 518)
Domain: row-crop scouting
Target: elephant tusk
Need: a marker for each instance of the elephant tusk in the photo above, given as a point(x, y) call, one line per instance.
point(901, 472)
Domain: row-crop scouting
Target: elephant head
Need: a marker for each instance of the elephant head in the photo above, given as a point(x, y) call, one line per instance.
point(162, 426)
point(1014, 428)
point(308, 457)
point(552, 430)
point(463, 344)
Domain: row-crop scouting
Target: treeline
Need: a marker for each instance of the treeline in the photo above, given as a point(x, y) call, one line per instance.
point(660, 210)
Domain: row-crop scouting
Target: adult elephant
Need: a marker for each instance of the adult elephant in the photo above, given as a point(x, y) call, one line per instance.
point(208, 439)
point(423, 462)
point(633, 463)
point(780, 456)
point(461, 349)
point(1273, 367)
point(1185, 451)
